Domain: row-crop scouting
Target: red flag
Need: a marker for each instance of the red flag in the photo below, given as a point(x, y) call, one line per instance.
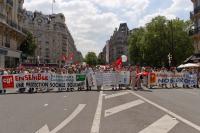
point(118, 63)
point(71, 56)
point(63, 57)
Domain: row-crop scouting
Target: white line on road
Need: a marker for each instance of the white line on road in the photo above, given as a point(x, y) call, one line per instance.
point(163, 125)
point(104, 94)
point(116, 95)
point(168, 111)
point(45, 128)
point(97, 117)
point(70, 118)
point(45, 105)
point(122, 107)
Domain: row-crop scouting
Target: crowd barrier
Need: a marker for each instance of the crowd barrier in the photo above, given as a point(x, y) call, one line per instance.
point(170, 79)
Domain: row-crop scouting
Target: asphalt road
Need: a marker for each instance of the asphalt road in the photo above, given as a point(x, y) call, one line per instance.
point(159, 111)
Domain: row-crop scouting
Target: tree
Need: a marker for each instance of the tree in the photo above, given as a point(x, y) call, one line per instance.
point(150, 45)
point(100, 60)
point(91, 59)
point(135, 50)
point(28, 47)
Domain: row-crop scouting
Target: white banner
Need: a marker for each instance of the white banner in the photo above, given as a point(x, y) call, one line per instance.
point(42, 80)
point(124, 77)
point(112, 78)
point(169, 78)
point(99, 78)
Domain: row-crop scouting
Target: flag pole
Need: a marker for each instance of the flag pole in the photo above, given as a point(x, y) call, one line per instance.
point(52, 6)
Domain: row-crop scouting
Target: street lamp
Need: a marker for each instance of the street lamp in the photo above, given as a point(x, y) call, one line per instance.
point(170, 59)
point(172, 41)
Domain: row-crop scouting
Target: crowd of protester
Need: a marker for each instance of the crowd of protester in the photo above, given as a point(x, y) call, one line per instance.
point(138, 75)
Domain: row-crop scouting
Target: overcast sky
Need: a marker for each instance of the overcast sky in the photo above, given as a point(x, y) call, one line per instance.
point(92, 22)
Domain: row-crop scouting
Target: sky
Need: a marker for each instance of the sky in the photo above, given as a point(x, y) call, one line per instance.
point(92, 22)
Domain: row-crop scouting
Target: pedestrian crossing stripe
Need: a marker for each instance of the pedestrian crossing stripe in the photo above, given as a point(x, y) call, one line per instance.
point(163, 125)
point(116, 95)
point(122, 107)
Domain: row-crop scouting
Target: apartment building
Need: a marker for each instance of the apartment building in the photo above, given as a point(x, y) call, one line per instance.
point(52, 36)
point(117, 45)
point(11, 32)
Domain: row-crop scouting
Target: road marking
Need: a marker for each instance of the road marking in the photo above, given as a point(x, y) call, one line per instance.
point(116, 95)
point(45, 105)
point(65, 122)
point(44, 129)
point(122, 107)
point(163, 125)
point(187, 122)
point(70, 118)
point(97, 117)
point(65, 96)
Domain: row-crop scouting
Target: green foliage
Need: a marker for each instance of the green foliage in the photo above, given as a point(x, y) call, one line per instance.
point(100, 62)
point(28, 47)
point(150, 45)
point(91, 59)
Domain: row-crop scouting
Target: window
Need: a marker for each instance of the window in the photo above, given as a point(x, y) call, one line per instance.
point(7, 43)
point(198, 2)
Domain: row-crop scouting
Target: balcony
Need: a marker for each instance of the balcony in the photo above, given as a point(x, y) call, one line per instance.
point(10, 2)
point(20, 11)
point(196, 10)
point(2, 16)
point(194, 31)
point(7, 44)
point(16, 26)
point(192, 15)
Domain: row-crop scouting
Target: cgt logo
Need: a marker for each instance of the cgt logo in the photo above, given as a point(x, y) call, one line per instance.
point(7, 82)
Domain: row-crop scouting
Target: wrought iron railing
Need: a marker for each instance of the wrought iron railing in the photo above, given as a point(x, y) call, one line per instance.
point(20, 10)
point(10, 2)
point(194, 31)
point(191, 15)
point(2, 16)
point(7, 44)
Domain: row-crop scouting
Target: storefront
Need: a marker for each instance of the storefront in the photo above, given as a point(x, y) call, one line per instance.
point(9, 58)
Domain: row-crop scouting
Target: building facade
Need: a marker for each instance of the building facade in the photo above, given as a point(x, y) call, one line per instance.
point(11, 32)
point(105, 53)
point(117, 45)
point(53, 38)
point(195, 32)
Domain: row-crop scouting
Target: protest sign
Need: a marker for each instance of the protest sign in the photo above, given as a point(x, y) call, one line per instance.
point(110, 78)
point(124, 77)
point(42, 80)
point(168, 78)
point(99, 78)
